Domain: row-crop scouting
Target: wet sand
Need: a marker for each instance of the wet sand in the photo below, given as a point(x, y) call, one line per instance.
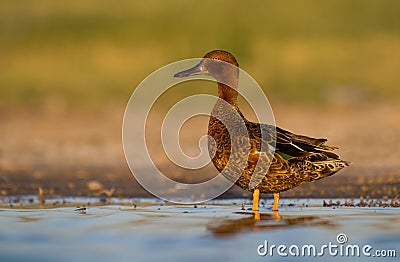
point(80, 154)
point(143, 230)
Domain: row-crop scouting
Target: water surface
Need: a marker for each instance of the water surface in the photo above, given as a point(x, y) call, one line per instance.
point(156, 231)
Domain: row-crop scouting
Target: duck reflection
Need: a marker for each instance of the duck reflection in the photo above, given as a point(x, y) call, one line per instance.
point(256, 221)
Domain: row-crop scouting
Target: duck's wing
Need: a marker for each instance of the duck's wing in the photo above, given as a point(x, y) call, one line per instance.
point(285, 142)
point(287, 145)
point(291, 145)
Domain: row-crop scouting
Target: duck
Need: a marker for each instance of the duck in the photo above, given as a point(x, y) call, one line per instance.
point(294, 160)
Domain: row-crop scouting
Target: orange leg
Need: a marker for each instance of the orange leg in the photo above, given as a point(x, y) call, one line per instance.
point(276, 202)
point(276, 215)
point(256, 198)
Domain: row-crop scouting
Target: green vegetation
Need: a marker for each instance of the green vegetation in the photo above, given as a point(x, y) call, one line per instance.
point(93, 52)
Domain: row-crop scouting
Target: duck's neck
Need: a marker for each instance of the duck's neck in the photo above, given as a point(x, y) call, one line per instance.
point(229, 94)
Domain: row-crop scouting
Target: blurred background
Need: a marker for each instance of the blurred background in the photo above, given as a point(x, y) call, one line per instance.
point(68, 68)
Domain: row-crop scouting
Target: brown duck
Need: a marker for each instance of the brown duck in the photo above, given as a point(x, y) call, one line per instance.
point(296, 160)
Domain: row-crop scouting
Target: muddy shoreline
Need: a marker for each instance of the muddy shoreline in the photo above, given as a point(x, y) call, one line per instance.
point(81, 154)
point(121, 183)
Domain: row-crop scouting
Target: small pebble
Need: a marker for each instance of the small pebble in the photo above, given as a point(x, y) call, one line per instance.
point(81, 210)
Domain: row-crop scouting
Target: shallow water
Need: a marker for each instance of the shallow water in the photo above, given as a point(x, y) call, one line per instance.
point(154, 231)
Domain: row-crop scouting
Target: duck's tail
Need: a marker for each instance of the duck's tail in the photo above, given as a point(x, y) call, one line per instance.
point(326, 168)
point(319, 165)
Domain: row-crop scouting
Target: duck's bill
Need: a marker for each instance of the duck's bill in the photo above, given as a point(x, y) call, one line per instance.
point(196, 70)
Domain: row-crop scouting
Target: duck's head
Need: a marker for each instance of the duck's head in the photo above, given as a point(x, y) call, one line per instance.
point(219, 64)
